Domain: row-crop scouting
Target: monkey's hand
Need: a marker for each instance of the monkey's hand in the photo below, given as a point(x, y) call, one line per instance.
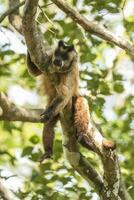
point(47, 115)
point(52, 110)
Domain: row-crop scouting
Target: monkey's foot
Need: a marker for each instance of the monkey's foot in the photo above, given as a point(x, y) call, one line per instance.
point(46, 155)
point(46, 116)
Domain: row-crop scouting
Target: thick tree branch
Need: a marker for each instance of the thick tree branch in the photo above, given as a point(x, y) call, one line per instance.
point(75, 158)
point(90, 26)
point(40, 55)
point(104, 148)
point(110, 187)
point(93, 27)
point(11, 112)
point(14, 17)
point(107, 188)
point(11, 10)
point(33, 36)
point(5, 193)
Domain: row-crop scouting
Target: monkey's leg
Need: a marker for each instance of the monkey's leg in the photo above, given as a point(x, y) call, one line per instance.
point(83, 122)
point(48, 138)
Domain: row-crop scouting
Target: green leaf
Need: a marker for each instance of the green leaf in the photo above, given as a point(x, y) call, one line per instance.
point(118, 87)
point(34, 139)
point(27, 151)
point(104, 88)
point(117, 77)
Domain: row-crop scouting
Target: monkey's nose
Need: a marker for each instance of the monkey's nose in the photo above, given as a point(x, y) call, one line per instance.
point(58, 62)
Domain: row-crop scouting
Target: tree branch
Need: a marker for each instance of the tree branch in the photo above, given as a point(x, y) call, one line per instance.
point(33, 36)
point(40, 55)
point(11, 112)
point(75, 158)
point(11, 10)
point(90, 26)
point(106, 188)
point(5, 193)
point(103, 147)
point(14, 17)
point(110, 187)
point(93, 27)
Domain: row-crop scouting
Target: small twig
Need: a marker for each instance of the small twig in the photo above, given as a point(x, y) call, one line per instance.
point(10, 11)
point(46, 5)
point(45, 15)
point(122, 8)
point(47, 28)
point(48, 19)
point(12, 176)
point(7, 153)
point(123, 4)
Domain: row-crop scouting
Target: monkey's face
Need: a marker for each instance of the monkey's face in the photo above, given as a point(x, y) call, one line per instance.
point(63, 58)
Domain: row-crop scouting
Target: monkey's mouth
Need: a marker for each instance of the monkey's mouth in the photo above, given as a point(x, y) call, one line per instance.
point(56, 68)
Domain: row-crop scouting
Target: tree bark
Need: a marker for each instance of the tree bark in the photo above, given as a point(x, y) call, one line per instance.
point(10, 112)
point(109, 186)
point(5, 193)
point(90, 26)
point(93, 27)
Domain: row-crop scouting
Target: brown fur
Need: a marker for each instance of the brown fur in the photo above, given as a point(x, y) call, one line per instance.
point(81, 121)
point(82, 118)
point(81, 115)
point(60, 84)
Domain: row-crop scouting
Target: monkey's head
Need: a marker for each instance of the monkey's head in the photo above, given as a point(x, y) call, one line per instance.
point(64, 57)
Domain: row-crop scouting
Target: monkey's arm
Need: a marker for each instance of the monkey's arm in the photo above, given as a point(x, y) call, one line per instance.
point(55, 108)
point(59, 103)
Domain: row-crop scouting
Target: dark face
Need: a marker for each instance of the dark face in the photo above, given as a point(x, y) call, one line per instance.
point(63, 57)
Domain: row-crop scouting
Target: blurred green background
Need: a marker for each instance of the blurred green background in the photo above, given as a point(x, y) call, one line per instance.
point(107, 81)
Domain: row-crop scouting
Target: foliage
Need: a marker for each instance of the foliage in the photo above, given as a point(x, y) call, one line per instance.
point(107, 82)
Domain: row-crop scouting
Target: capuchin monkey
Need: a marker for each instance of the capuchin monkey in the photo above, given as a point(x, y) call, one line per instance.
point(60, 84)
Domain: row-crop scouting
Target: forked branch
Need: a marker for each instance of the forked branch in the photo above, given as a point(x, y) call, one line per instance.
point(93, 27)
point(88, 25)
point(110, 186)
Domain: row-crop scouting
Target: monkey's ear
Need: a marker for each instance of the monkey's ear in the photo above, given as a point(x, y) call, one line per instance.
point(71, 48)
point(61, 43)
